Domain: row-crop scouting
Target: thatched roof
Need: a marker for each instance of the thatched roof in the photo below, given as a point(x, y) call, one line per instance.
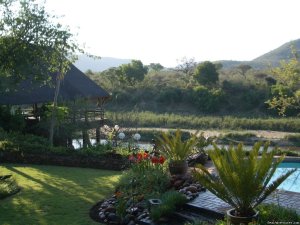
point(75, 85)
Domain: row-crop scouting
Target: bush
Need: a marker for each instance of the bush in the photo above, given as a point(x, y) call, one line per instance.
point(148, 181)
point(8, 186)
point(276, 213)
point(170, 201)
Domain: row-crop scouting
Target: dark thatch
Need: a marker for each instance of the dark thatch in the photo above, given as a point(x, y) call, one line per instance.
point(75, 85)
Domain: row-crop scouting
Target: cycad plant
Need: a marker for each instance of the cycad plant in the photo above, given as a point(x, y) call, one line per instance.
point(243, 179)
point(174, 148)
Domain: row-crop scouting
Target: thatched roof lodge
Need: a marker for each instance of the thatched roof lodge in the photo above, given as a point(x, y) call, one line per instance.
point(75, 85)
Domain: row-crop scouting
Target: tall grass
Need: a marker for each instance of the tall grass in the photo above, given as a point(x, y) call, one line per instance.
point(166, 120)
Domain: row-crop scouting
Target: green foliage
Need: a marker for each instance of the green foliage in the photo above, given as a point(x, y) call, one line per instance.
point(9, 121)
point(271, 212)
point(174, 148)
point(243, 179)
point(207, 100)
point(286, 90)
point(170, 200)
point(155, 66)
point(134, 71)
point(31, 44)
point(206, 73)
point(144, 179)
point(172, 120)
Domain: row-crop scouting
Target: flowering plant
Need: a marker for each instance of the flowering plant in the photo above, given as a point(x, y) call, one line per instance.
point(142, 161)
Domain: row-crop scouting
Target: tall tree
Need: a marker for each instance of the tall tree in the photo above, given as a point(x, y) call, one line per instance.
point(206, 73)
point(243, 68)
point(286, 91)
point(186, 66)
point(134, 72)
point(155, 66)
point(33, 46)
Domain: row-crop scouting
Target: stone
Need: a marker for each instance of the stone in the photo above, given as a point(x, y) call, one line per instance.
point(110, 209)
point(102, 216)
point(131, 222)
point(112, 217)
point(192, 189)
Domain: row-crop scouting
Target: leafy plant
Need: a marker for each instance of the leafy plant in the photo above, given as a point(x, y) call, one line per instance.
point(149, 178)
point(174, 148)
point(170, 200)
point(8, 186)
point(272, 212)
point(243, 179)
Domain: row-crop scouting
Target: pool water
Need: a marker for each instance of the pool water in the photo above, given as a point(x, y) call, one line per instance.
point(292, 183)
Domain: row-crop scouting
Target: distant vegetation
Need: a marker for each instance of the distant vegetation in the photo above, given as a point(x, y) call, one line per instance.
point(204, 88)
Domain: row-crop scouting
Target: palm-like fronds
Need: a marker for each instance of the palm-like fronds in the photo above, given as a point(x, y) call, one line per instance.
point(243, 180)
point(174, 148)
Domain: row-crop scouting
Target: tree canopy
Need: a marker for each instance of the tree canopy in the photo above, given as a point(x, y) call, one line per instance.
point(206, 73)
point(32, 44)
point(133, 72)
point(286, 91)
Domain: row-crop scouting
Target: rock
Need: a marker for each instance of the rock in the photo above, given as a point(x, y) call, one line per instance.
point(102, 216)
point(110, 209)
point(112, 217)
point(131, 222)
point(192, 189)
point(177, 184)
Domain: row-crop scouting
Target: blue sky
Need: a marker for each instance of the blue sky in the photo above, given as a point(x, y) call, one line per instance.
point(164, 31)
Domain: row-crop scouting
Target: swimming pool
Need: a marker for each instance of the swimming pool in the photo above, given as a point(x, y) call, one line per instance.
point(292, 183)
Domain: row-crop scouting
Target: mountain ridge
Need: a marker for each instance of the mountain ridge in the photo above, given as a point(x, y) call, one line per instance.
point(271, 58)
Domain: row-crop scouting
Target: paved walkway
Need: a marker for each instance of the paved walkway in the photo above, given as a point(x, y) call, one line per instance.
point(209, 201)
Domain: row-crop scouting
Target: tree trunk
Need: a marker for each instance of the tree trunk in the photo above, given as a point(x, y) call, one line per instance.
point(54, 111)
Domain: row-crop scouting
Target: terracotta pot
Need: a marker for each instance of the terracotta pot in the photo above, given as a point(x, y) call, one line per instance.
point(178, 167)
point(237, 220)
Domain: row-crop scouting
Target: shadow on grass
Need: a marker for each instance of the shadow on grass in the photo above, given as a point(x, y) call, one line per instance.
point(55, 195)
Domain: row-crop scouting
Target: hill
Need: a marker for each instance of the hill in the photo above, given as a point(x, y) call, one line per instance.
point(85, 63)
point(271, 58)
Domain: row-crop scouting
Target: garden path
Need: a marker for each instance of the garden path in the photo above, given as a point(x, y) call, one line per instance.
point(207, 200)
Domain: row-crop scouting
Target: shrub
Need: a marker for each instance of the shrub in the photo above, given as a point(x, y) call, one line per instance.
point(8, 186)
point(170, 201)
point(145, 177)
point(275, 213)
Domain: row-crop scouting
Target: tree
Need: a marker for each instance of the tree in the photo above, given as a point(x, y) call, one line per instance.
point(206, 73)
point(186, 66)
point(155, 66)
point(32, 46)
point(134, 72)
point(243, 68)
point(286, 91)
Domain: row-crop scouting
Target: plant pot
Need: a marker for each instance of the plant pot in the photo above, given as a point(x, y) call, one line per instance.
point(178, 167)
point(237, 220)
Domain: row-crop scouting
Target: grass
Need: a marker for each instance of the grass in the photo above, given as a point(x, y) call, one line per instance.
point(53, 195)
point(170, 120)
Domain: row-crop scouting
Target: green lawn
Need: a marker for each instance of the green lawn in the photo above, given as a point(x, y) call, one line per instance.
point(54, 195)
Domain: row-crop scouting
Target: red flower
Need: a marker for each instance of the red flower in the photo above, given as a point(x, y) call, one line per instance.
point(139, 157)
point(154, 160)
point(146, 155)
point(161, 159)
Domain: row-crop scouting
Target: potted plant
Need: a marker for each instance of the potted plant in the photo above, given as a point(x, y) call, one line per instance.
point(243, 179)
point(176, 150)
